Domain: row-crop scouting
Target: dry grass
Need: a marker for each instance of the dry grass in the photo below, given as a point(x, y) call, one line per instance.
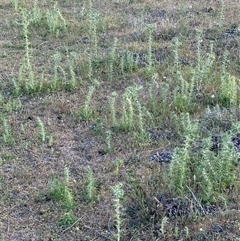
point(27, 210)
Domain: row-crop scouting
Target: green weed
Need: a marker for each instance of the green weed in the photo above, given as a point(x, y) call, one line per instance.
point(67, 220)
point(207, 173)
point(55, 20)
point(90, 188)
point(112, 59)
point(26, 79)
point(119, 163)
point(60, 191)
point(7, 136)
point(86, 112)
point(150, 29)
point(118, 193)
point(15, 4)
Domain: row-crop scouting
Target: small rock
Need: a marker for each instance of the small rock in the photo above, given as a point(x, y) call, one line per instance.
point(161, 157)
point(217, 228)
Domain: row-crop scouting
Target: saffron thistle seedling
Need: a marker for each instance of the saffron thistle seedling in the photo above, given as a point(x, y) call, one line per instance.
point(118, 193)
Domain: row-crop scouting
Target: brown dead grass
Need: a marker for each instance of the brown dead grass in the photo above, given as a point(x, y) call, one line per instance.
point(27, 212)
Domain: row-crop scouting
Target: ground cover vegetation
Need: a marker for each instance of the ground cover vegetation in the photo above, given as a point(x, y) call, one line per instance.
point(120, 120)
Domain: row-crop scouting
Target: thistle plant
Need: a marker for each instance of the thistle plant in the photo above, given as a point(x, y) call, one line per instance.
point(66, 175)
point(57, 67)
point(90, 68)
point(12, 104)
point(228, 86)
point(90, 6)
point(1, 100)
point(183, 93)
point(36, 14)
point(118, 193)
point(68, 202)
point(176, 46)
point(128, 109)
point(55, 20)
point(205, 64)
point(113, 109)
point(218, 172)
point(118, 165)
point(141, 135)
point(203, 175)
point(127, 121)
point(224, 64)
point(73, 81)
point(26, 74)
point(16, 85)
point(112, 59)
point(179, 174)
point(122, 65)
point(90, 189)
point(150, 41)
point(7, 136)
point(128, 62)
point(85, 111)
point(221, 14)
point(60, 191)
point(42, 134)
point(163, 225)
point(109, 147)
point(225, 169)
point(153, 87)
point(93, 18)
point(199, 56)
point(15, 4)
point(209, 174)
point(57, 60)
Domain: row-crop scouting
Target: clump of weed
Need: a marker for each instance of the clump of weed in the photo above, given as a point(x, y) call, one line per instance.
point(7, 136)
point(228, 94)
point(90, 188)
point(109, 147)
point(36, 15)
point(55, 20)
point(178, 169)
point(112, 59)
point(67, 220)
point(128, 110)
point(113, 109)
point(93, 18)
point(43, 134)
point(26, 78)
point(118, 193)
point(183, 94)
point(59, 191)
point(57, 68)
point(118, 165)
point(152, 93)
point(85, 112)
point(207, 173)
point(72, 84)
point(133, 114)
point(150, 40)
point(128, 62)
point(15, 4)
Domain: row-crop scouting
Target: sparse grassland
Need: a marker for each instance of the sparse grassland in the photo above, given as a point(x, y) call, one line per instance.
point(119, 120)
